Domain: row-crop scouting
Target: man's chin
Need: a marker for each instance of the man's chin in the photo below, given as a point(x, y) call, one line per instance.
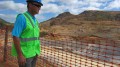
point(37, 12)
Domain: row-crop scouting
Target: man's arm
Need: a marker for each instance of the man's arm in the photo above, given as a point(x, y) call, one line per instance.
point(19, 26)
point(21, 58)
point(17, 45)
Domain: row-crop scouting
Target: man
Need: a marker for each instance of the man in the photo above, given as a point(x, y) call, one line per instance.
point(26, 35)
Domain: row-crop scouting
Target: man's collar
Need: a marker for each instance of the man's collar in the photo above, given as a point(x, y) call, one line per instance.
point(30, 14)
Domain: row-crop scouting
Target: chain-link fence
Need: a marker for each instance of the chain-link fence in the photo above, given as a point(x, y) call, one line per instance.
point(71, 51)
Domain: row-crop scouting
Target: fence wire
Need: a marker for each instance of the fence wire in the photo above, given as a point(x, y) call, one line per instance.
point(70, 51)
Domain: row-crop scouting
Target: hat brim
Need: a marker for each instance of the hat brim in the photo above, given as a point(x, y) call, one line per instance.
point(40, 3)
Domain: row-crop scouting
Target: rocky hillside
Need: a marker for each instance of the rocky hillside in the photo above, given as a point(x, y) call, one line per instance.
point(100, 15)
point(105, 24)
point(4, 23)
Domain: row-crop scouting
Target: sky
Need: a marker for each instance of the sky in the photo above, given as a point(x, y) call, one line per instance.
point(52, 8)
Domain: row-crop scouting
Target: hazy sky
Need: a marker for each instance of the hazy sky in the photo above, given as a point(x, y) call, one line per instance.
point(10, 8)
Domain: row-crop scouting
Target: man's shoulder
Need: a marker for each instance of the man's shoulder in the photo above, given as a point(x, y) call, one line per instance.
point(20, 15)
point(20, 18)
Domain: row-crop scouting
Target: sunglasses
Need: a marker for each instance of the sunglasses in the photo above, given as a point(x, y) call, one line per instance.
point(36, 5)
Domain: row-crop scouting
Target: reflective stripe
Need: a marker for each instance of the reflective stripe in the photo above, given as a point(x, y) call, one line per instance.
point(29, 39)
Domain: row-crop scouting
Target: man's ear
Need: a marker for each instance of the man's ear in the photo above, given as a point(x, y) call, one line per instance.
point(28, 5)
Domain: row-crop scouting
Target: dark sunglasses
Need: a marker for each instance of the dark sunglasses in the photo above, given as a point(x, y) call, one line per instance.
point(36, 5)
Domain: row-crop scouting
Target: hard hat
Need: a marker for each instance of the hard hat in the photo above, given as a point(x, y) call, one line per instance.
point(38, 1)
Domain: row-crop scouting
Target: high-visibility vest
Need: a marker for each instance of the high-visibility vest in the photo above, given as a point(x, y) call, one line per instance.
point(29, 39)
